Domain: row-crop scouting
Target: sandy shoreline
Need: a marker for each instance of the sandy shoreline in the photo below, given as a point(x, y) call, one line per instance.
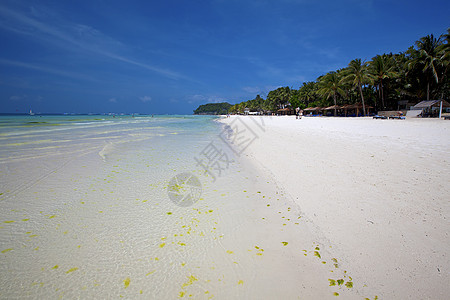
point(377, 192)
point(303, 209)
point(97, 222)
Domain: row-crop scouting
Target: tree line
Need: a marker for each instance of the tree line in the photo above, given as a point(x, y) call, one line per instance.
point(213, 109)
point(419, 73)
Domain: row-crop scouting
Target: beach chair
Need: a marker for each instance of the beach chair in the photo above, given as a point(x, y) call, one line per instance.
point(446, 116)
point(397, 117)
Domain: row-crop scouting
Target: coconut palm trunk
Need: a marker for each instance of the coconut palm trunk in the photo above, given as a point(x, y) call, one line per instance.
point(330, 86)
point(362, 99)
point(335, 103)
point(358, 75)
point(381, 67)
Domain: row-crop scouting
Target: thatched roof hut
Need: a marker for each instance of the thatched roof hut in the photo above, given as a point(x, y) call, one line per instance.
point(332, 107)
point(335, 108)
point(285, 111)
point(431, 103)
point(317, 108)
point(357, 107)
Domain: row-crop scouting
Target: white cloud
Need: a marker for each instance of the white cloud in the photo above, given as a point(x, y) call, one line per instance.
point(145, 99)
point(205, 99)
point(196, 98)
point(113, 100)
point(18, 97)
point(252, 89)
point(297, 79)
point(67, 35)
point(45, 69)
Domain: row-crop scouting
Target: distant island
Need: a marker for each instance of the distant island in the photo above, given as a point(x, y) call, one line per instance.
point(213, 109)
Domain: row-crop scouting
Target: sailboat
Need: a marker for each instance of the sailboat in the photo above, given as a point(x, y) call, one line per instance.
point(31, 112)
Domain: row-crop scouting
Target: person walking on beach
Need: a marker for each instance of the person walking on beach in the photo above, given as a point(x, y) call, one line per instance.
point(298, 113)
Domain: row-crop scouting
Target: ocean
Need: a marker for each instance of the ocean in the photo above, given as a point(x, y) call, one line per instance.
point(160, 207)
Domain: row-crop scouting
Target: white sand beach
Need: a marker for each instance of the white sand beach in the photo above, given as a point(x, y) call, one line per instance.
point(375, 191)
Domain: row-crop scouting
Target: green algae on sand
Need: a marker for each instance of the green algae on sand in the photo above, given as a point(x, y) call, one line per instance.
point(126, 282)
point(71, 270)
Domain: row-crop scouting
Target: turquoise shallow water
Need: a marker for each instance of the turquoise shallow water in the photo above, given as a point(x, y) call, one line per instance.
point(37, 126)
point(26, 137)
point(35, 147)
point(86, 212)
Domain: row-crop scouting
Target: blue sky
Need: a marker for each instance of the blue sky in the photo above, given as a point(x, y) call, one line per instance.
point(171, 56)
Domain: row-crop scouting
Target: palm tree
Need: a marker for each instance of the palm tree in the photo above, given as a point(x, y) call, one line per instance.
point(429, 58)
point(444, 52)
point(307, 92)
point(285, 95)
point(330, 85)
point(358, 74)
point(382, 67)
point(444, 49)
point(279, 97)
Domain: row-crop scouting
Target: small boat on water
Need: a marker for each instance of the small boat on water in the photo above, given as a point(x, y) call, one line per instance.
point(31, 113)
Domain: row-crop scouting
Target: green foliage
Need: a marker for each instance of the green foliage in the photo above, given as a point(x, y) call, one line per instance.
point(295, 99)
point(382, 68)
point(213, 109)
point(279, 97)
point(357, 73)
point(429, 59)
point(331, 86)
point(416, 74)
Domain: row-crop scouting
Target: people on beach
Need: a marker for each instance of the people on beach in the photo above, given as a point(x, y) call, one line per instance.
point(298, 113)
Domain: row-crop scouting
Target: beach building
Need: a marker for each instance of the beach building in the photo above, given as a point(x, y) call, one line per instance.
point(356, 110)
point(285, 111)
point(347, 110)
point(329, 111)
point(248, 111)
point(313, 111)
point(429, 108)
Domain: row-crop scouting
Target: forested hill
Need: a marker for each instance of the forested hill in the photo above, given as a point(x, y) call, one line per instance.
point(213, 109)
